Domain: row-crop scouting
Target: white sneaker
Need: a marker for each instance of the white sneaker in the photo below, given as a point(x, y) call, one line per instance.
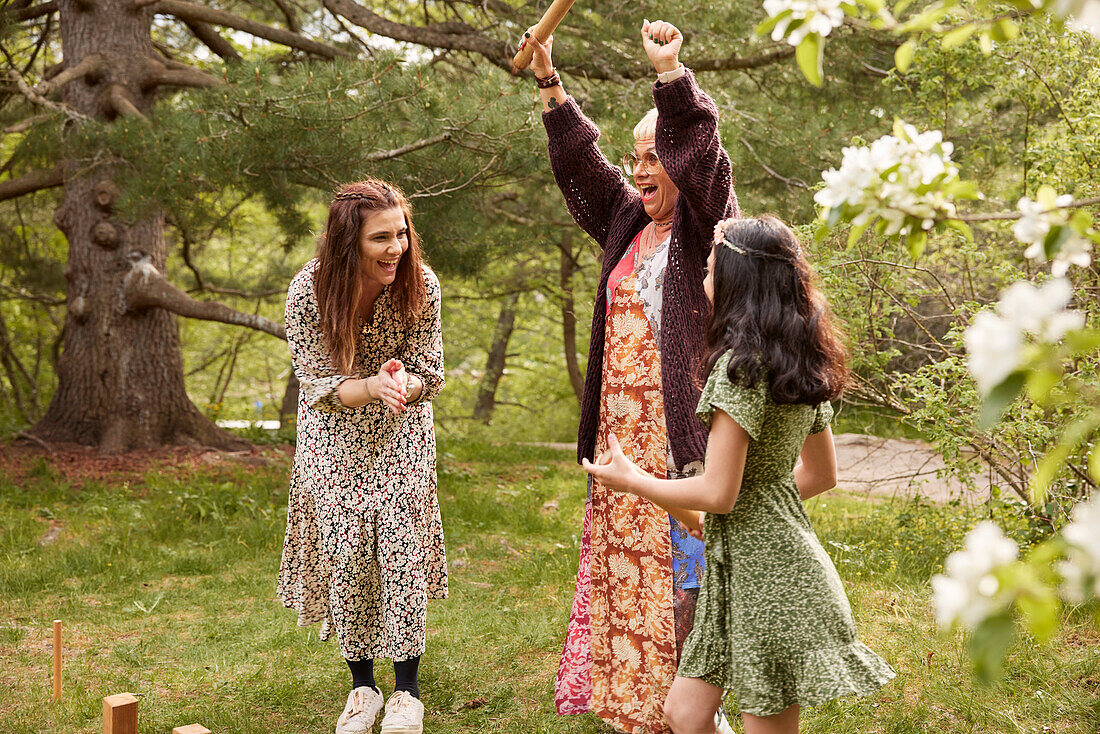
point(404, 714)
point(361, 710)
point(721, 723)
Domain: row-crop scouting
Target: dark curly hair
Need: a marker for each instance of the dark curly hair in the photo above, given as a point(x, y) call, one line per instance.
point(771, 317)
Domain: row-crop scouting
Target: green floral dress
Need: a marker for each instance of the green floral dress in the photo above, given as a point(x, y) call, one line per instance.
point(773, 624)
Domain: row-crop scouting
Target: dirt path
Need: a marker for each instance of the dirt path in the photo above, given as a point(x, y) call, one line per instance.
point(898, 467)
point(889, 467)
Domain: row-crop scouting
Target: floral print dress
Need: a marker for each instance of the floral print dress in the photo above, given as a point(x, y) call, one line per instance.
point(773, 624)
point(638, 568)
point(364, 550)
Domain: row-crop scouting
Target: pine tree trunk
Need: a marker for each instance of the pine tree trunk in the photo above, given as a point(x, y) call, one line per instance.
point(569, 316)
point(494, 364)
point(288, 411)
point(120, 375)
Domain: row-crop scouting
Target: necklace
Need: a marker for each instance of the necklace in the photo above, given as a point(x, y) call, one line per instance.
point(652, 235)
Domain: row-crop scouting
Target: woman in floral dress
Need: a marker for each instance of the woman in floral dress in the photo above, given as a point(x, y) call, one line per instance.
point(774, 626)
point(364, 542)
point(639, 569)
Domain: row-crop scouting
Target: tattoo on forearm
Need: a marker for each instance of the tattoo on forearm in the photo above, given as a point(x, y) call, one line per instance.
point(552, 103)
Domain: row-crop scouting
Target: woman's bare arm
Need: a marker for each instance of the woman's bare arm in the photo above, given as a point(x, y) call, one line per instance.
point(714, 491)
point(816, 472)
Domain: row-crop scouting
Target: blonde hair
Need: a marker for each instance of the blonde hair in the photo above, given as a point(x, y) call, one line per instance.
point(647, 126)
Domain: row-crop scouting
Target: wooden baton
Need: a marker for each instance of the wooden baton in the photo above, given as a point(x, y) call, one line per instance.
point(542, 31)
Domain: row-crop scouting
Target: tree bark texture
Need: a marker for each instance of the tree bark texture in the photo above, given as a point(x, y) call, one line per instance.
point(120, 374)
point(288, 411)
point(494, 364)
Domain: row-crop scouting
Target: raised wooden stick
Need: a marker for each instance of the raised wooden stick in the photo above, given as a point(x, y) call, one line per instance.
point(120, 714)
point(542, 31)
point(56, 660)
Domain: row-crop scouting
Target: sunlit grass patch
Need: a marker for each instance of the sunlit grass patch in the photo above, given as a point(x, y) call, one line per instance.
point(165, 582)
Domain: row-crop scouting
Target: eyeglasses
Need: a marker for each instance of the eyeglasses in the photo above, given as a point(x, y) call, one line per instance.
point(649, 161)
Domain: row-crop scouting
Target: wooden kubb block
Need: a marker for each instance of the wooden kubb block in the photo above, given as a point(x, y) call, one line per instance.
point(191, 729)
point(120, 714)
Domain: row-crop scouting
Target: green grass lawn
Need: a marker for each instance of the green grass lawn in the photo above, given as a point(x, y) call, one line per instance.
point(165, 581)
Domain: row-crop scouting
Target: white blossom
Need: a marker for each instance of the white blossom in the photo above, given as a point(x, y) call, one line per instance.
point(1075, 251)
point(1083, 15)
point(967, 593)
point(818, 16)
point(1040, 311)
point(894, 178)
point(1034, 226)
point(995, 339)
point(1081, 569)
point(993, 350)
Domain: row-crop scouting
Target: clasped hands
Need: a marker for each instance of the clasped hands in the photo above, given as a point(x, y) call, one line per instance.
point(391, 386)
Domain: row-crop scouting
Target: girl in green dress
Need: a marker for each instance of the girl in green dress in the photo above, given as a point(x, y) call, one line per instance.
point(773, 624)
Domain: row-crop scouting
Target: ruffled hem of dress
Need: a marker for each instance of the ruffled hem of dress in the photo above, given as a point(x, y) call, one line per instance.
point(824, 674)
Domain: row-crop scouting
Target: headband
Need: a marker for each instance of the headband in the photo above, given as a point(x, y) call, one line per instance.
point(720, 239)
point(352, 196)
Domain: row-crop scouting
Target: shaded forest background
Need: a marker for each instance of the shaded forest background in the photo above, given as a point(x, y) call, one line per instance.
point(165, 168)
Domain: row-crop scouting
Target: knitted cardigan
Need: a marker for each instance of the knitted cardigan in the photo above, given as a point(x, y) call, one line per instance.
point(611, 212)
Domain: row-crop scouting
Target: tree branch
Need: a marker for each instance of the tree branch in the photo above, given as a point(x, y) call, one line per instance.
point(37, 99)
point(30, 182)
point(741, 63)
point(213, 40)
point(24, 294)
point(146, 287)
point(457, 36)
point(35, 11)
point(385, 155)
point(771, 171)
point(90, 65)
point(121, 103)
point(188, 11)
point(24, 125)
point(1076, 204)
point(496, 52)
point(160, 75)
point(288, 13)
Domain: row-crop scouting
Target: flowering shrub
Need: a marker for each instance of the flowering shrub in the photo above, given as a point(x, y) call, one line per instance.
point(1084, 14)
point(806, 23)
point(796, 19)
point(1032, 339)
point(1051, 233)
point(904, 183)
point(1081, 570)
point(967, 594)
point(995, 341)
point(986, 583)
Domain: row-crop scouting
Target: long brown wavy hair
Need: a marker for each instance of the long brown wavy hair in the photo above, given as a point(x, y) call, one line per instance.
point(337, 281)
point(769, 313)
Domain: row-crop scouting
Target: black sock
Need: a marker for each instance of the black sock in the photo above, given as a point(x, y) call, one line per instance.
point(405, 673)
point(362, 673)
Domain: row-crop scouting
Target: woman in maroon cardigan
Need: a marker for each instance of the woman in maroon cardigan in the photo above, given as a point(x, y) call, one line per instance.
point(639, 569)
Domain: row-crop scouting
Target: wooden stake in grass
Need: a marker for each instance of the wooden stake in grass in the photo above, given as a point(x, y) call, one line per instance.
point(120, 714)
point(191, 729)
point(56, 660)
